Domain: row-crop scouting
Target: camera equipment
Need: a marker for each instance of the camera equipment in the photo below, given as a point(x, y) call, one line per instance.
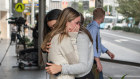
point(16, 20)
point(13, 20)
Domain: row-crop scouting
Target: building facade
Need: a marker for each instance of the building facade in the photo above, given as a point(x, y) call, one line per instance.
point(4, 14)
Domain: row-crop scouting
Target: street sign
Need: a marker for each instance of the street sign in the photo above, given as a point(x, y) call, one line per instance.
point(25, 1)
point(19, 7)
point(29, 5)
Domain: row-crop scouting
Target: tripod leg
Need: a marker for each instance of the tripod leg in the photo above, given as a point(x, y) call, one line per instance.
point(5, 54)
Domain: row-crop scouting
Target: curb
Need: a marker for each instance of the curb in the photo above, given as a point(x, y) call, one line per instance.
point(121, 62)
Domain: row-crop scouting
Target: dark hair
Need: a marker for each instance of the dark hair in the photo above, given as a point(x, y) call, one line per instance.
point(82, 19)
point(98, 13)
point(51, 15)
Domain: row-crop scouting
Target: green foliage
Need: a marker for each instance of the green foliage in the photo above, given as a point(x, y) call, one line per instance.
point(127, 29)
point(30, 44)
point(123, 76)
point(135, 30)
point(110, 8)
point(87, 21)
point(129, 8)
point(110, 78)
point(116, 28)
point(80, 8)
point(24, 39)
point(91, 10)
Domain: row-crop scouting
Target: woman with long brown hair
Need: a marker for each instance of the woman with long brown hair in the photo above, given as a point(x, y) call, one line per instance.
point(63, 52)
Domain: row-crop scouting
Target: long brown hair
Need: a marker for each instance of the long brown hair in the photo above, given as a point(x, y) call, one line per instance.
point(67, 15)
point(83, 29)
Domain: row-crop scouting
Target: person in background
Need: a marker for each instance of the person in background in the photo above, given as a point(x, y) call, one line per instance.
point(94, 30)
point(50, 19)
point(35, 33)
point(13, 32)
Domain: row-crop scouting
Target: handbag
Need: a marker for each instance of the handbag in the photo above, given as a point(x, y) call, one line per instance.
point(95, 71)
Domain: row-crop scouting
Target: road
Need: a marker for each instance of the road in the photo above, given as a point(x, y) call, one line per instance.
point(124, 39)
point(126, 47)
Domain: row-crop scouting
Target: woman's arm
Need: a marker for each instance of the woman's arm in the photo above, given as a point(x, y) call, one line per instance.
point(85, 58)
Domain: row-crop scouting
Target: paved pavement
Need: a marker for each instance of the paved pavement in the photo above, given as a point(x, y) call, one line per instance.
point(9, 69)
point(115, 70)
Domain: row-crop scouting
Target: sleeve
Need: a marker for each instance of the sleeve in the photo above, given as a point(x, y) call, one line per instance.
point(80, 67)
point(93, 32)
point(103, 49)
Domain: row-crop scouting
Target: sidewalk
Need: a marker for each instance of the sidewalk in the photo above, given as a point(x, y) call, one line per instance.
point(9, 69)
point(116, 71)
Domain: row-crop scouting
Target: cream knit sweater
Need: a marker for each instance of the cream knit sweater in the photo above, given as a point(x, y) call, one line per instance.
point(64, 53)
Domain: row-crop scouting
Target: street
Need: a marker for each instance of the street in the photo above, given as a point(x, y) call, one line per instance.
point(126, 47)
point(9, 69)
point(124, 39)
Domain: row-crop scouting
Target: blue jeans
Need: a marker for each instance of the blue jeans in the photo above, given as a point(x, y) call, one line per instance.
point(101, 75)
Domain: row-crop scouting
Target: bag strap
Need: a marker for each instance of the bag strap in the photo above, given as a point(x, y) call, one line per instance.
point(97, 42)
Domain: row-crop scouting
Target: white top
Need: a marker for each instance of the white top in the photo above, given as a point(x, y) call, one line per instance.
point(85, 53)
point(64, 53)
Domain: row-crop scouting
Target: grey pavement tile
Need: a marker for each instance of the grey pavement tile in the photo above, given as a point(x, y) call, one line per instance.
point(118, 70)
point(8, 72)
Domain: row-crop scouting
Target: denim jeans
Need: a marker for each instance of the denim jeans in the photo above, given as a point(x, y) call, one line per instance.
point(101, 75)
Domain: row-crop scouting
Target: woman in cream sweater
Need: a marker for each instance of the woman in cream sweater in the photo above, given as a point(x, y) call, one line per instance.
point(63, 51)
point(63, 41)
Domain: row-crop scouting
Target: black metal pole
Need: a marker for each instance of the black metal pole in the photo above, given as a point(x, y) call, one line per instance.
point(42, 11)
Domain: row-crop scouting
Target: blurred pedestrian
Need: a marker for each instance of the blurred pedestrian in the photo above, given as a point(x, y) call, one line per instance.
point(13, 32)
point(94, 30)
